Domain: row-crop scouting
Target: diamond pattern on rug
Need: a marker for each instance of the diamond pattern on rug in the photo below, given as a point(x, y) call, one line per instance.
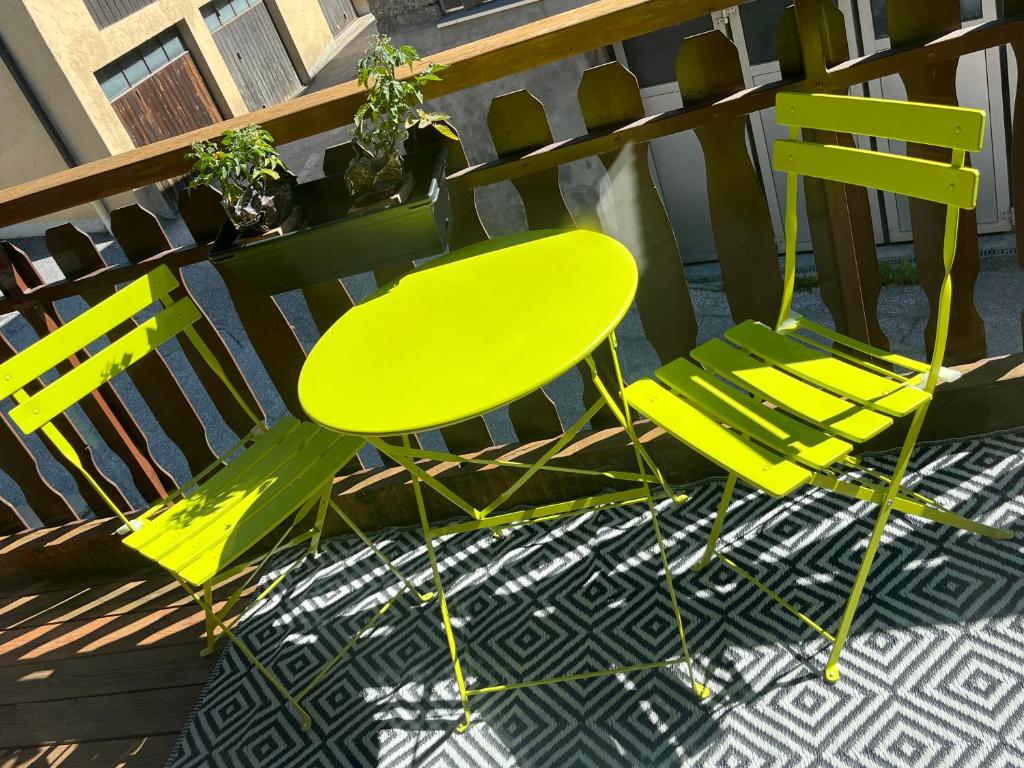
point(931, 675)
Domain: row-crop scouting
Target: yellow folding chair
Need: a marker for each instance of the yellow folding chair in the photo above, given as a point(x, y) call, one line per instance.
point(202, 533)
point(783, 408)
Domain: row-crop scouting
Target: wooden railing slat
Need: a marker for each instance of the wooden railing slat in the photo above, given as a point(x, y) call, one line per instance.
point(201, 210)
point(81, 447)
point(467, 229)
point(10, 520)
point(104, 406)
point(516, 121)
point(708, 69)
point(609, 96)
point(76, 254)
point(144, 238)
point(839, 216)
point(549, 39)
point(1012, 8)
point(327, 301)
point(911, 21)
point(272, 336)
point(20, 465)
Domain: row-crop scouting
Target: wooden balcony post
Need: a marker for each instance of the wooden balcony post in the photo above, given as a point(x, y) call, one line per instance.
point(912, 21)
point(812, 37)
point(609, 97)
point(708, 69)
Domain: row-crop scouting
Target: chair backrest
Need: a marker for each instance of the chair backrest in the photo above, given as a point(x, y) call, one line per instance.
point(33, 411)
point(949, 183)
point(36, 411)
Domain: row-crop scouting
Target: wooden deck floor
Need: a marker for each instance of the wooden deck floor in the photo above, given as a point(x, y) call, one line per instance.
point(104, 673)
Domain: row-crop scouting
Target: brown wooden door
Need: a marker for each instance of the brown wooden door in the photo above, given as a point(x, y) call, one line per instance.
point(171, 101)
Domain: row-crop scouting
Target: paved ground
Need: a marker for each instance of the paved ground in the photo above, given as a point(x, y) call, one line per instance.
point(304, 157)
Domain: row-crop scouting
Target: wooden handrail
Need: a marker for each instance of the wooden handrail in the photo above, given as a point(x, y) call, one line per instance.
point(854, 71)
point(567, 34)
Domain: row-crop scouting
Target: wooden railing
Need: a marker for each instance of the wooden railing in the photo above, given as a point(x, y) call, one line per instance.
point(814, 56)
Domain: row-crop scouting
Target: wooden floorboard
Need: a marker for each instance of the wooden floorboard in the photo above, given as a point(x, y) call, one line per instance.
point(99, 673)
point(141, 752)
point(124, 595)
point(103, 674)
point(122, 715)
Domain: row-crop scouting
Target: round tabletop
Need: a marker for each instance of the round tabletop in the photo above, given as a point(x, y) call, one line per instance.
point(468, 332)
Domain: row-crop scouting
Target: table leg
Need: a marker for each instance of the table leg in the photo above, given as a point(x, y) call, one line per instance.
point(441, 599)
point(622, 412)
point(406, 456)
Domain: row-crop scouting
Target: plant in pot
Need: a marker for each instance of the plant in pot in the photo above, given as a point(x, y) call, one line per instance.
point(384, 207)
point(256, 189)
point(377, 175)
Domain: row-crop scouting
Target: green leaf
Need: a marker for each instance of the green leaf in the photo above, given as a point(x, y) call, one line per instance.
point(446, 130)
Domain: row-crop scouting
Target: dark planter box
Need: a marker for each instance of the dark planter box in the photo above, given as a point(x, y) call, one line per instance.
point(331, 243)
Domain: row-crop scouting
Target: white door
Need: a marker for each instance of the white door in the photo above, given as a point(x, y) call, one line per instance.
point(677, 162)
point(978, 84)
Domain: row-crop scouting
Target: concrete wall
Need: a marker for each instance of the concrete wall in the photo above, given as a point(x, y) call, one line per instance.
point(26, 153)
point(416, 22)
point(59, 54)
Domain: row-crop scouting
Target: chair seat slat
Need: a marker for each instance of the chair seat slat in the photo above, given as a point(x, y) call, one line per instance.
point(246, 519)
point(794, 439)
point(759, 466)
point(201, 515)
point(833, 414)
point(181, 514)
point(885, 395)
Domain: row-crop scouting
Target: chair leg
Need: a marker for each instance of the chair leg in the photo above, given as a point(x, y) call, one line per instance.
point(716, 528)
point(700, 689)
point(443, 604)
point(424, 597)
point(884, 509)
point(318, 527)
point(307, 721)
point(211, 619)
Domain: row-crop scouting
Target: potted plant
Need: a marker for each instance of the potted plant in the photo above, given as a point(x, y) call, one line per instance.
point(386, 206)
point(245, 168)
point(377, 173)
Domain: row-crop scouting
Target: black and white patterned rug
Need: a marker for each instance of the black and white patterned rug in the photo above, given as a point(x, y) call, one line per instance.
point(932, 674)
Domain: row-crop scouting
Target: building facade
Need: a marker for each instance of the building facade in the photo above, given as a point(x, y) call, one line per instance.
point(85, 79)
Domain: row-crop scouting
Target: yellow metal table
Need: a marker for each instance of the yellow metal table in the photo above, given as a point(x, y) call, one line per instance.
point(469, 333)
